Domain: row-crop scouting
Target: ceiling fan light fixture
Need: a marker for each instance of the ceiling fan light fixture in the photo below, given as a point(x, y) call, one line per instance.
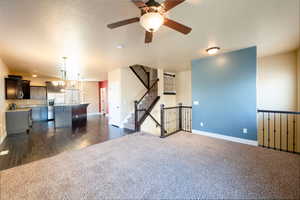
point(152, 21)
point(213, 50)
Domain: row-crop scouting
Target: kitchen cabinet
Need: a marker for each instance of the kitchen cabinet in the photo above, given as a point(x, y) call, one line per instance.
point(22, 116)
point(16, 88)
point(38, 93)
point(40, 113)
point(63, 116)
point(26, 89)
point(13, 88)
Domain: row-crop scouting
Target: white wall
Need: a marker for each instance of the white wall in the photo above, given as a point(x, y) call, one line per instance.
point(3, 74)
point(277, 82)
point(123, 89)
point(90, 93)
point(131, 90)
point(298, 76)
point(184, 87)
point(114, 96)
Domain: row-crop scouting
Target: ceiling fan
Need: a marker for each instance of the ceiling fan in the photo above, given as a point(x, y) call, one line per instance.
point(153, 16)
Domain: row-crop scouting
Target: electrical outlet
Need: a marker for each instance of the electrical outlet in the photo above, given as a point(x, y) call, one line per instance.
point(196, 103)
point(201, 124)
point(245, 130)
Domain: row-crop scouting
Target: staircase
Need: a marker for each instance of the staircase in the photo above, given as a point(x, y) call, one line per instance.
point(146, 103)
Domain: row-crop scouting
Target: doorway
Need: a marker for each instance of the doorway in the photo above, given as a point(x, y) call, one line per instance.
point(103, 97)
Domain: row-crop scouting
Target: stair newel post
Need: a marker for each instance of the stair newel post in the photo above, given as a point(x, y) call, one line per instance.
point(136, 123)
point(162, 120)
point(180, 116)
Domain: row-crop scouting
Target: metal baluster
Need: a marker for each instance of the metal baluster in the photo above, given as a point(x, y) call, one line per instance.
point(287, 132)
point(263, 129)
point(268, 130)
point(162, 121)
point(185, 120)
point(167, 122)
point(294, 132)
point(186, 116)
point(188, 122)
point(274, 130)
point(180, 117)
point(191, 113)
point(280, 130)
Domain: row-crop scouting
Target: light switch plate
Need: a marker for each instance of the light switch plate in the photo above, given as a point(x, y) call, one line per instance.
point(196, 102)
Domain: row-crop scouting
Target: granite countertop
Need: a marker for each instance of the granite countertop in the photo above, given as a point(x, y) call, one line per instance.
point(79, 104)
point(20, 110)
point(32, 106)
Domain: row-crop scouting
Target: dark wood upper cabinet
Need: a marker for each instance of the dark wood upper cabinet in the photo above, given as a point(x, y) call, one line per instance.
point(26, 89)
point(13, 88)
point(16, 88)
point(10, 88)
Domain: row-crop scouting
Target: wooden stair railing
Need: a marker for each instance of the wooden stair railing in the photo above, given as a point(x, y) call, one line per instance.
point(142, 109)
point(148, 91)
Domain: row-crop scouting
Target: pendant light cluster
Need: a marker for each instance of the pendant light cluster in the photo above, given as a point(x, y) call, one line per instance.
point(64, 81)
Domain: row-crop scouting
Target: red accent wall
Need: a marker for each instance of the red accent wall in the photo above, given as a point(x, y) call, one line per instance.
point(103, 84)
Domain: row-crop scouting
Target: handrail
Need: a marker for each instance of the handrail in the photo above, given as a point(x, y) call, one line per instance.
point(186, 107)
point(148, 90)
point(166, 108)
point(276, 111)
point(183, 120)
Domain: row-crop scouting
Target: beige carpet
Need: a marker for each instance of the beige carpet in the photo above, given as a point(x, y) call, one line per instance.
point(143, 166)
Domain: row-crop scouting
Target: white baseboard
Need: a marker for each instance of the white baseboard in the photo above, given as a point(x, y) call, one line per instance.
point(224, 137)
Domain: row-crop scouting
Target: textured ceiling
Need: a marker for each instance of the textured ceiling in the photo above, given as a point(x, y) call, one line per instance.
point(35, 34)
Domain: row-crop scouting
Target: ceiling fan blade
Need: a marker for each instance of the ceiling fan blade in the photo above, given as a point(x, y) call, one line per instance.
point(139, 4)
point(177, 26)
point(169, 4)
point(123, 23)
point(148, 37)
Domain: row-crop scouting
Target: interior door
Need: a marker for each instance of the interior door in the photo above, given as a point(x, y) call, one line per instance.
point(114, 103)
point(103, 100)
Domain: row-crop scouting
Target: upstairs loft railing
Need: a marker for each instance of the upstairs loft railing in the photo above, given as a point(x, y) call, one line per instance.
point(175, 119)
point(142, 74)
point(279, 130)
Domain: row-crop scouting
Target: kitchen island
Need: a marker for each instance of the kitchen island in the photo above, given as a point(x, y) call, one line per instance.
point(70, 115)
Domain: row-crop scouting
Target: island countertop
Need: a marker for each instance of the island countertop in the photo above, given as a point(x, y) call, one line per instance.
point(20, 110)
point(79, 104)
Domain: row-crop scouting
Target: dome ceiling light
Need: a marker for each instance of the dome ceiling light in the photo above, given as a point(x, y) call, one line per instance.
point(213, 50)
point(152, 21)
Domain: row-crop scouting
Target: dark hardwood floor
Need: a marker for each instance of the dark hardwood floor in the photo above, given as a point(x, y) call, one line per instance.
point(44, 141)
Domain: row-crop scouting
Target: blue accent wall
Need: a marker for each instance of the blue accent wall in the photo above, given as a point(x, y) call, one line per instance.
point(225, 87)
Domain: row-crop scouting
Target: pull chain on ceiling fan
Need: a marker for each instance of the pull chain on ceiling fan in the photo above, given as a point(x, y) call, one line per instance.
point(153, 16)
